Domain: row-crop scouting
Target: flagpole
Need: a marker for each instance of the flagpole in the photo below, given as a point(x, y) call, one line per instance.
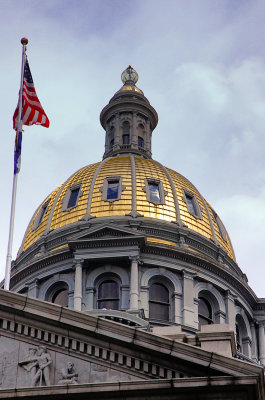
point(24, 43)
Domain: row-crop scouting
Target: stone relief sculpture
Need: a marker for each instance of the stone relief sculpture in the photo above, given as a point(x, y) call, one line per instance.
point(68, 375)
point(38, 365)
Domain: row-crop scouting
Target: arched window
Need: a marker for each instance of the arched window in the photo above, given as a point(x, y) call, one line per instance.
point(238, 339)
point(58, 294)
point(108, 295)
point(126, 132)
point(60, 297)
point(140, 132)
point(242, 336)
point(158, 302)
point(205, 312)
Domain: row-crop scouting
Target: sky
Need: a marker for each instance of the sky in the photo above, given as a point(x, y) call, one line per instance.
point(201, 64)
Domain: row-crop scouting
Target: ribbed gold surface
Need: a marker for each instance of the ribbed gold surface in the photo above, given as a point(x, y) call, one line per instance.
point(145, 169)
point(121, 167)
point(83, 177)
point(201, 226)
point(150, 169)
point(224, 243)
point(33, 234)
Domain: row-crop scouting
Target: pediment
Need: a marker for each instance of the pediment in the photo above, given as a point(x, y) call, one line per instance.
point(33, 332)
point(104, 231)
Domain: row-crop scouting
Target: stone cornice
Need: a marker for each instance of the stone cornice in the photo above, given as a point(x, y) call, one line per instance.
point(47, 320)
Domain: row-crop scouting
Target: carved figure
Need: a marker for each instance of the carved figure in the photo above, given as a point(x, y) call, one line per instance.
point(38, 364)
point(68, 374)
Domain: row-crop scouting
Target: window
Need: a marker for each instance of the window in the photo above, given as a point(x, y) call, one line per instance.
point(219, 224)
point(140, 141)
point(158, 302)
point(61, 298)
point(73, 198)
point(113, 190)
point(58, 293)
point(192, 204)
point(108, 295)
point(155, 192)
point(125, 139)
point(40, 216)
point(126, 132)
point(238, 339)
point(204, 312)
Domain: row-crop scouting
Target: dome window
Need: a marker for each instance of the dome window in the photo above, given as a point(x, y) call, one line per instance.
point(140, 142)
point(219, 224)
point(40, 215)
point(71, 197)
point(126, 132)
point(108, 295)
point(112, 188)
point(192, 204)
point(125, 139)
point(158, 302)
point(155, 192)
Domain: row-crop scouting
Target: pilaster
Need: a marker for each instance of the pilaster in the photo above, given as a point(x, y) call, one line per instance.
point(78, 295)
point(188, 299)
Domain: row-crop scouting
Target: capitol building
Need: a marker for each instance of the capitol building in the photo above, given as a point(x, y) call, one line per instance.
point(126, 285)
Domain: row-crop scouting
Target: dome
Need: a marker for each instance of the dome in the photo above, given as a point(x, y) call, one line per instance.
point(180, 202)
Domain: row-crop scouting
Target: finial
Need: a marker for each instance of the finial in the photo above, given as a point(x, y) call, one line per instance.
point(129, 74)
point(24, 41)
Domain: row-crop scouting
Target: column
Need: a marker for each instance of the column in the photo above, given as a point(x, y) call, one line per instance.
point(261, 343)
point(78, 286)
point(134, 140)
point(33, 289)
point(117, 139)
point(148, 138)
point(188, 299)
point(230, 310)
point(134, 285)
point(254, 342)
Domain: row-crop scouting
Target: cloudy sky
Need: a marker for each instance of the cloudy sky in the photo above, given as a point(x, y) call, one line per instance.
point(201, 63)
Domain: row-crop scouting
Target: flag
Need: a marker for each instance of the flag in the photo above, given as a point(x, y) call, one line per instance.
point(32, 111)
point(17, 152)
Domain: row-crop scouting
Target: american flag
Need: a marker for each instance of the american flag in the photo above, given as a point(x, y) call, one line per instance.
point(32, 111)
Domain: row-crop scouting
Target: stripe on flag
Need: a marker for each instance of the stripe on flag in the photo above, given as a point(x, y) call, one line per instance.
point(32, 110)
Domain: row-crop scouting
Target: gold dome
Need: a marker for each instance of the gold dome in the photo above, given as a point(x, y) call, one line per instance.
point(134, 171)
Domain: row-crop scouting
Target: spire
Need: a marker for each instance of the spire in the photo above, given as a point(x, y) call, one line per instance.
point(128, 119)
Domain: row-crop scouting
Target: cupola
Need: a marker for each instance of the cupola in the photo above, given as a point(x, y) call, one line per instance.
point(128, 119)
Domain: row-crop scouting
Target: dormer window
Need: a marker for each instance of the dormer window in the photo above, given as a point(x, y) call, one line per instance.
point(40, 216)
point(71, 197)
point(112, 188)
point(155, 192)
point(192, 204)
point(219, 224)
